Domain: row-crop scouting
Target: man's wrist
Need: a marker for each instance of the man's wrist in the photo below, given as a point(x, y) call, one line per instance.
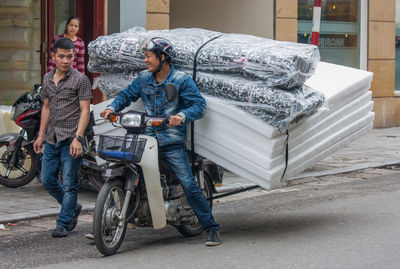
point(182, 115)
point(79, 138)
point(111, 108)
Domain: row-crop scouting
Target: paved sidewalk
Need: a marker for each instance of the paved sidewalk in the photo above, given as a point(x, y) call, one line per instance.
point(379, 148)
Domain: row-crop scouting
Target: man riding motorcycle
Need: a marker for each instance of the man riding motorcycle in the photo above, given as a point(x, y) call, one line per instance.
point(189, 106)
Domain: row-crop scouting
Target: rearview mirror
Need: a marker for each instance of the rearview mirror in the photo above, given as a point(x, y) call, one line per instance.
point(171, 92)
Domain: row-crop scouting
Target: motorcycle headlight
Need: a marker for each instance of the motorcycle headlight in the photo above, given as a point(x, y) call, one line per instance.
point(132, 120)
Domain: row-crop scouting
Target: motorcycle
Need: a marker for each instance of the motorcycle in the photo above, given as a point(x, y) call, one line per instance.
point(140, 188)
point(19, 164)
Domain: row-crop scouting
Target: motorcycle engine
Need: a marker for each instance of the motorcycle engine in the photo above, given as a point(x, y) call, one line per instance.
point(176, 204)
point(178, 209)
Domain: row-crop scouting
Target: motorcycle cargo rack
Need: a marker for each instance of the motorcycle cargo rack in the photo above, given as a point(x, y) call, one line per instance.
point(229, 193)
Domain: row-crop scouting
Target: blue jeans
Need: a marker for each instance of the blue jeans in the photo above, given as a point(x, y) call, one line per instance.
point(177, 157)
point(55, 157)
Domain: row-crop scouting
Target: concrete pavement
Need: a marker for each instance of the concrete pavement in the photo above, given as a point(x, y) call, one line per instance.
point(381, 147)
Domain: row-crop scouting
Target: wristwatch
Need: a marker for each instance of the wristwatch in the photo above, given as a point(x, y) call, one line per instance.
point(79, 138)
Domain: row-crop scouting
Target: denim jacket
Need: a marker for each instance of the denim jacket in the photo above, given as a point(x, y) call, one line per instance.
point(190, 105)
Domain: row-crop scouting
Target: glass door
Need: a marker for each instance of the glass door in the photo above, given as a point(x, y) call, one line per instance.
point(55, 14)
point(339, 40)
point(62, 11)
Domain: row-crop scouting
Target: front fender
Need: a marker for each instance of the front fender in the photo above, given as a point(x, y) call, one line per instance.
point(9, 137)
point(151, 174)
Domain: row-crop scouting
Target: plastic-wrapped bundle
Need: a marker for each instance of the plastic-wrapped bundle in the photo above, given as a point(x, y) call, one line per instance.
point(273, 105)
point(110, 84)
point(283, 64)
point(121, 52)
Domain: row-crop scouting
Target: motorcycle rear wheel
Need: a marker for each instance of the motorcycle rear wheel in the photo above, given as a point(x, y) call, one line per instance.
point(108, 235)
point(194, 229)
point(23, 172)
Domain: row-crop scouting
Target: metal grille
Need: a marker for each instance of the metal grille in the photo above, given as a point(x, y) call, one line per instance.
point(125, 148)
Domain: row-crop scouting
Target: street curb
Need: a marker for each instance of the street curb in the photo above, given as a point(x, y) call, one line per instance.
point(346, 169)
point(220, 190)
point(50, 212)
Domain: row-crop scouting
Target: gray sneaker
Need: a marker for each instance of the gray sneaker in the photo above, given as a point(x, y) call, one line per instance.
point(213, 239)
point(59, 231)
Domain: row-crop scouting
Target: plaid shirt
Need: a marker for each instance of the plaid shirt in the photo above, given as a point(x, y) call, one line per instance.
point(64, 103)
point(79, 59)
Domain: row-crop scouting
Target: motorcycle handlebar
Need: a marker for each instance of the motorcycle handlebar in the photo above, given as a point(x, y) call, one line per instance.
point(153, 121)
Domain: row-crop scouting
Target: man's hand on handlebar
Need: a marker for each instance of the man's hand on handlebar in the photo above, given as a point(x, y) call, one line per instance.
point(105, 113)
point(175, 120)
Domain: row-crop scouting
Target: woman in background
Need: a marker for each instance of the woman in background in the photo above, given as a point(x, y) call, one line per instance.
point(71, 30)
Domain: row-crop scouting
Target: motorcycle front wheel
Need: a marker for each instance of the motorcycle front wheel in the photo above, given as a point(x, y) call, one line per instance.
point(23, 171)
point(108, 234)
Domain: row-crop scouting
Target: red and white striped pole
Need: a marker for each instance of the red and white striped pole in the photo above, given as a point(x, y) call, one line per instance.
point(316, 22)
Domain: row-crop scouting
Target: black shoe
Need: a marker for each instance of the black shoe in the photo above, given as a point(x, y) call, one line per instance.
point(59, 231)
point(213, 239)
point(74, 220)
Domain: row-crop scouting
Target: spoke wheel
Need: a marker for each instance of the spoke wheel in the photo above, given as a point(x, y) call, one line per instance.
point(108, 234)
point(23, 171)
point(194, 228)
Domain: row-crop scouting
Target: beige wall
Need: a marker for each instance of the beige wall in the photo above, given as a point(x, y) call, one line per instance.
point(381, 61)
point(286, 20)
point(255, 17)
point(157, 14)
point(19, 42)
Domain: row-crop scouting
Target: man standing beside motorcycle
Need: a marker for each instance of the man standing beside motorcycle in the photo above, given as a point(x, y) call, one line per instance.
point(65, 115)
point(190, 106)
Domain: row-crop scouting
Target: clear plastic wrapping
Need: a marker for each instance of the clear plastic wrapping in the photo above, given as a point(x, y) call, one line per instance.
point(110, 84)
point(260, 76)
point(275, 106)
point(283, 64)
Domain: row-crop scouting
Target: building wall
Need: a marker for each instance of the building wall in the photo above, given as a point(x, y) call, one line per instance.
point(163, 14)
point(125, 14)
point(255, 17)
point(133, 13)
point(381, 53)
point(113, 17)
point(286, 20)
point(157, 14)
point(19, 46)
point(381, 61)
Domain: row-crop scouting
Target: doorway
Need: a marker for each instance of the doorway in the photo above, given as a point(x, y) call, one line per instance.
point(54, 15)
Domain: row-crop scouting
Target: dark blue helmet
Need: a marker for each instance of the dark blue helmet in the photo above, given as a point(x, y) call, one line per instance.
point(159, 46)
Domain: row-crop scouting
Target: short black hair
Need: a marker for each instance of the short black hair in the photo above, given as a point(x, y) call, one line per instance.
point(63, 43)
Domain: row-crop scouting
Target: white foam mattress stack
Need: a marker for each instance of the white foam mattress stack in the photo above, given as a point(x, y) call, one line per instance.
point(254, 150)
